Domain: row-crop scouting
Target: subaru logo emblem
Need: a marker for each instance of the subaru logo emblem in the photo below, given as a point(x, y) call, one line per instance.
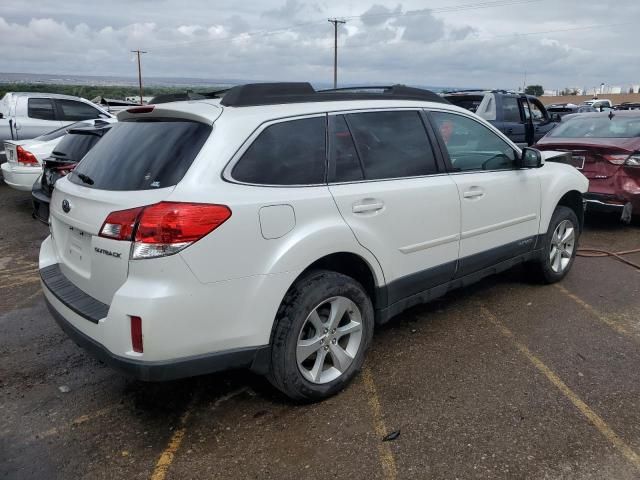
point(65, 206)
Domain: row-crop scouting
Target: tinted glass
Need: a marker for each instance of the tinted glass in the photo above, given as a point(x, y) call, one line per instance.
point(286, 153)
point(598, 126)
point(471, 145)
point(511, 109)
point(41, 108)
point(74, 146)
point(142, 155)
point(392, 144)
point(74, 111)
point(344, 158)
point(60, 132)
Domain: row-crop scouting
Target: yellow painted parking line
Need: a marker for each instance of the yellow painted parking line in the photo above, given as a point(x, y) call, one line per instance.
point(603, 318)
point(166, 458)
point(607, 432)
point(78, 421)
point(384, 450)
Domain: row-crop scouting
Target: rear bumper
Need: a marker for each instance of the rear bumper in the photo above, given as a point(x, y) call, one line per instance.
point(605, 203)
point(256, 358)
point(19, 177)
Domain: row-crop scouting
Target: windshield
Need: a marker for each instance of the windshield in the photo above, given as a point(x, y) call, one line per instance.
point(142, 155)
point(600, 126)
point(74, 146)
point(59, 132)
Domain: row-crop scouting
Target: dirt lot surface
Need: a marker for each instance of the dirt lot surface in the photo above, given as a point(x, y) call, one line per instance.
point(507, 379)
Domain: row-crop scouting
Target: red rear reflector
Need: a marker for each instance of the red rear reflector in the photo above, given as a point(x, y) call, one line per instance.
point(136, 334)
point(119, 225)
point(26, 158)
point(147, 109)
point(173, 222)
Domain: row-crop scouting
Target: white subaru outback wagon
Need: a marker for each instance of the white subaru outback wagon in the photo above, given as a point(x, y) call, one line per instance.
point(273, 229)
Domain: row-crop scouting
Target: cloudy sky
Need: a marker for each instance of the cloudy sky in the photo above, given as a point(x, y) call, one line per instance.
point(486, 43)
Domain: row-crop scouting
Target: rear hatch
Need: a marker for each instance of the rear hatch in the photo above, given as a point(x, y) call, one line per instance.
point(137, 163)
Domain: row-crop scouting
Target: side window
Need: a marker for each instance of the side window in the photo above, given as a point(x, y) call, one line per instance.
point(511, 109)
point(471, 145)
point(536, 111)
point(344, 161)
point(392, 144)
point(73, 111)
point(41, 108)
point(286, 153)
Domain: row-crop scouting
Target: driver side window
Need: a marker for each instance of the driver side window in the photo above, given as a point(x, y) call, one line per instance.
point(471, 145)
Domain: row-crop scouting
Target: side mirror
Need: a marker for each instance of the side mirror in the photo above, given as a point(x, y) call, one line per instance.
point(530, 158)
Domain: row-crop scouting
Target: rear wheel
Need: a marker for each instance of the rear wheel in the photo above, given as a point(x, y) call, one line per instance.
point(323, 328)
point(559, 247)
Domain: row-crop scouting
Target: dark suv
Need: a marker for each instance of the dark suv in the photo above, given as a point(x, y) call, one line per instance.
point(62, 161)
point(522, 118)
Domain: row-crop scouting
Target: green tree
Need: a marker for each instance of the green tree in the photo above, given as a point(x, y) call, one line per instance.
point(535, 90)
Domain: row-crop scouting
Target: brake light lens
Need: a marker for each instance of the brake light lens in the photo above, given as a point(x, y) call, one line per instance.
point(616, 158)
point(633, 160)
point(26, 158)
point(164, 228)
point(148, 109)
point(136, 334)
point(120, 225)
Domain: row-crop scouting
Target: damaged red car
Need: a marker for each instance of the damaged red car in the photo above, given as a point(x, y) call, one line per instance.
point(606, 148)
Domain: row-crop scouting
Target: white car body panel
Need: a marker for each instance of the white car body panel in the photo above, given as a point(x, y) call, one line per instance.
point(222, 292)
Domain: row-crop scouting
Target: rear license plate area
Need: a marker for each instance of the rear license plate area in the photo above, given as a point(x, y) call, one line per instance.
point(78, 246)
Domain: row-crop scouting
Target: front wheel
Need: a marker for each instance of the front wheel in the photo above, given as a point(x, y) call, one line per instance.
point(323, 329)
point(559, 247)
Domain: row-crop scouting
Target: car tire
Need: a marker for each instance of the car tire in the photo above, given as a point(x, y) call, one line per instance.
point(309, 322)
point(559, 247)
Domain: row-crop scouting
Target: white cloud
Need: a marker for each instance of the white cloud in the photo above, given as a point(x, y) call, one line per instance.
point(389, 42)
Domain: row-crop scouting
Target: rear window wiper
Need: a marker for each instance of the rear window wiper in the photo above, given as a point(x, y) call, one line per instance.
point(85, 178)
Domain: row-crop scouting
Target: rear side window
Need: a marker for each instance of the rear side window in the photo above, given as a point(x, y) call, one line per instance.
point(41, 108)
point(345, 164)
point(74, 146)
point(286, 153)
point(72, 111)
point(511, 110)
point(392, 144)
point(142, 155)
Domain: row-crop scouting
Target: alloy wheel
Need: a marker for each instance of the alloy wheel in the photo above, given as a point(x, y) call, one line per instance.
point(329, 340)
point(563, 242)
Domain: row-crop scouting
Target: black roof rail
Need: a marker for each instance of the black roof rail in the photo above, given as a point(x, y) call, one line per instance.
point(254, 94)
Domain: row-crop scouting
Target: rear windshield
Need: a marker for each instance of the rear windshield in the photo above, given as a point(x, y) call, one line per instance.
point(142, 155)
point(470, 102)
point(600, 126)
point(59, 132)
point(74, 146)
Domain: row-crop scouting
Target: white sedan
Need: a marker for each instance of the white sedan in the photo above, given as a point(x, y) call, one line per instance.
point(25, 157)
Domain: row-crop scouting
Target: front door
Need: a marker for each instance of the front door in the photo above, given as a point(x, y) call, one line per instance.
point(500, 204)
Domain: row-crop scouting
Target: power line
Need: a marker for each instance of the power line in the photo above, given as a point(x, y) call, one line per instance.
point(335, 22)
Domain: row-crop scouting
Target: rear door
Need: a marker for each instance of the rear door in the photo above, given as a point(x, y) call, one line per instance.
point(73, 111)
point(135, 164)
point(41, 118)
point(385, 178)
point(500, 204)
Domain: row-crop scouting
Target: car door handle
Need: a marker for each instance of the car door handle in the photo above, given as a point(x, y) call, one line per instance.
point(368, 205)
point(509, 131)
point(473, 193)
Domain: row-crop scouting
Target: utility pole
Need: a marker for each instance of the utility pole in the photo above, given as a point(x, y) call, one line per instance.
point(335, 22)
point(138, 52)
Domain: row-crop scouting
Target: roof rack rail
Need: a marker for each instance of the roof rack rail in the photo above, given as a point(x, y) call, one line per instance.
point(254, 94)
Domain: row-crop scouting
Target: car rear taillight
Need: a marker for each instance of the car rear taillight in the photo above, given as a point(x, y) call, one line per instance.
point(633, 160)
point(164, 228)
point(65, 170)
point(120, 225)
point(616, 158)
point(26, 158)
point(136, 334)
